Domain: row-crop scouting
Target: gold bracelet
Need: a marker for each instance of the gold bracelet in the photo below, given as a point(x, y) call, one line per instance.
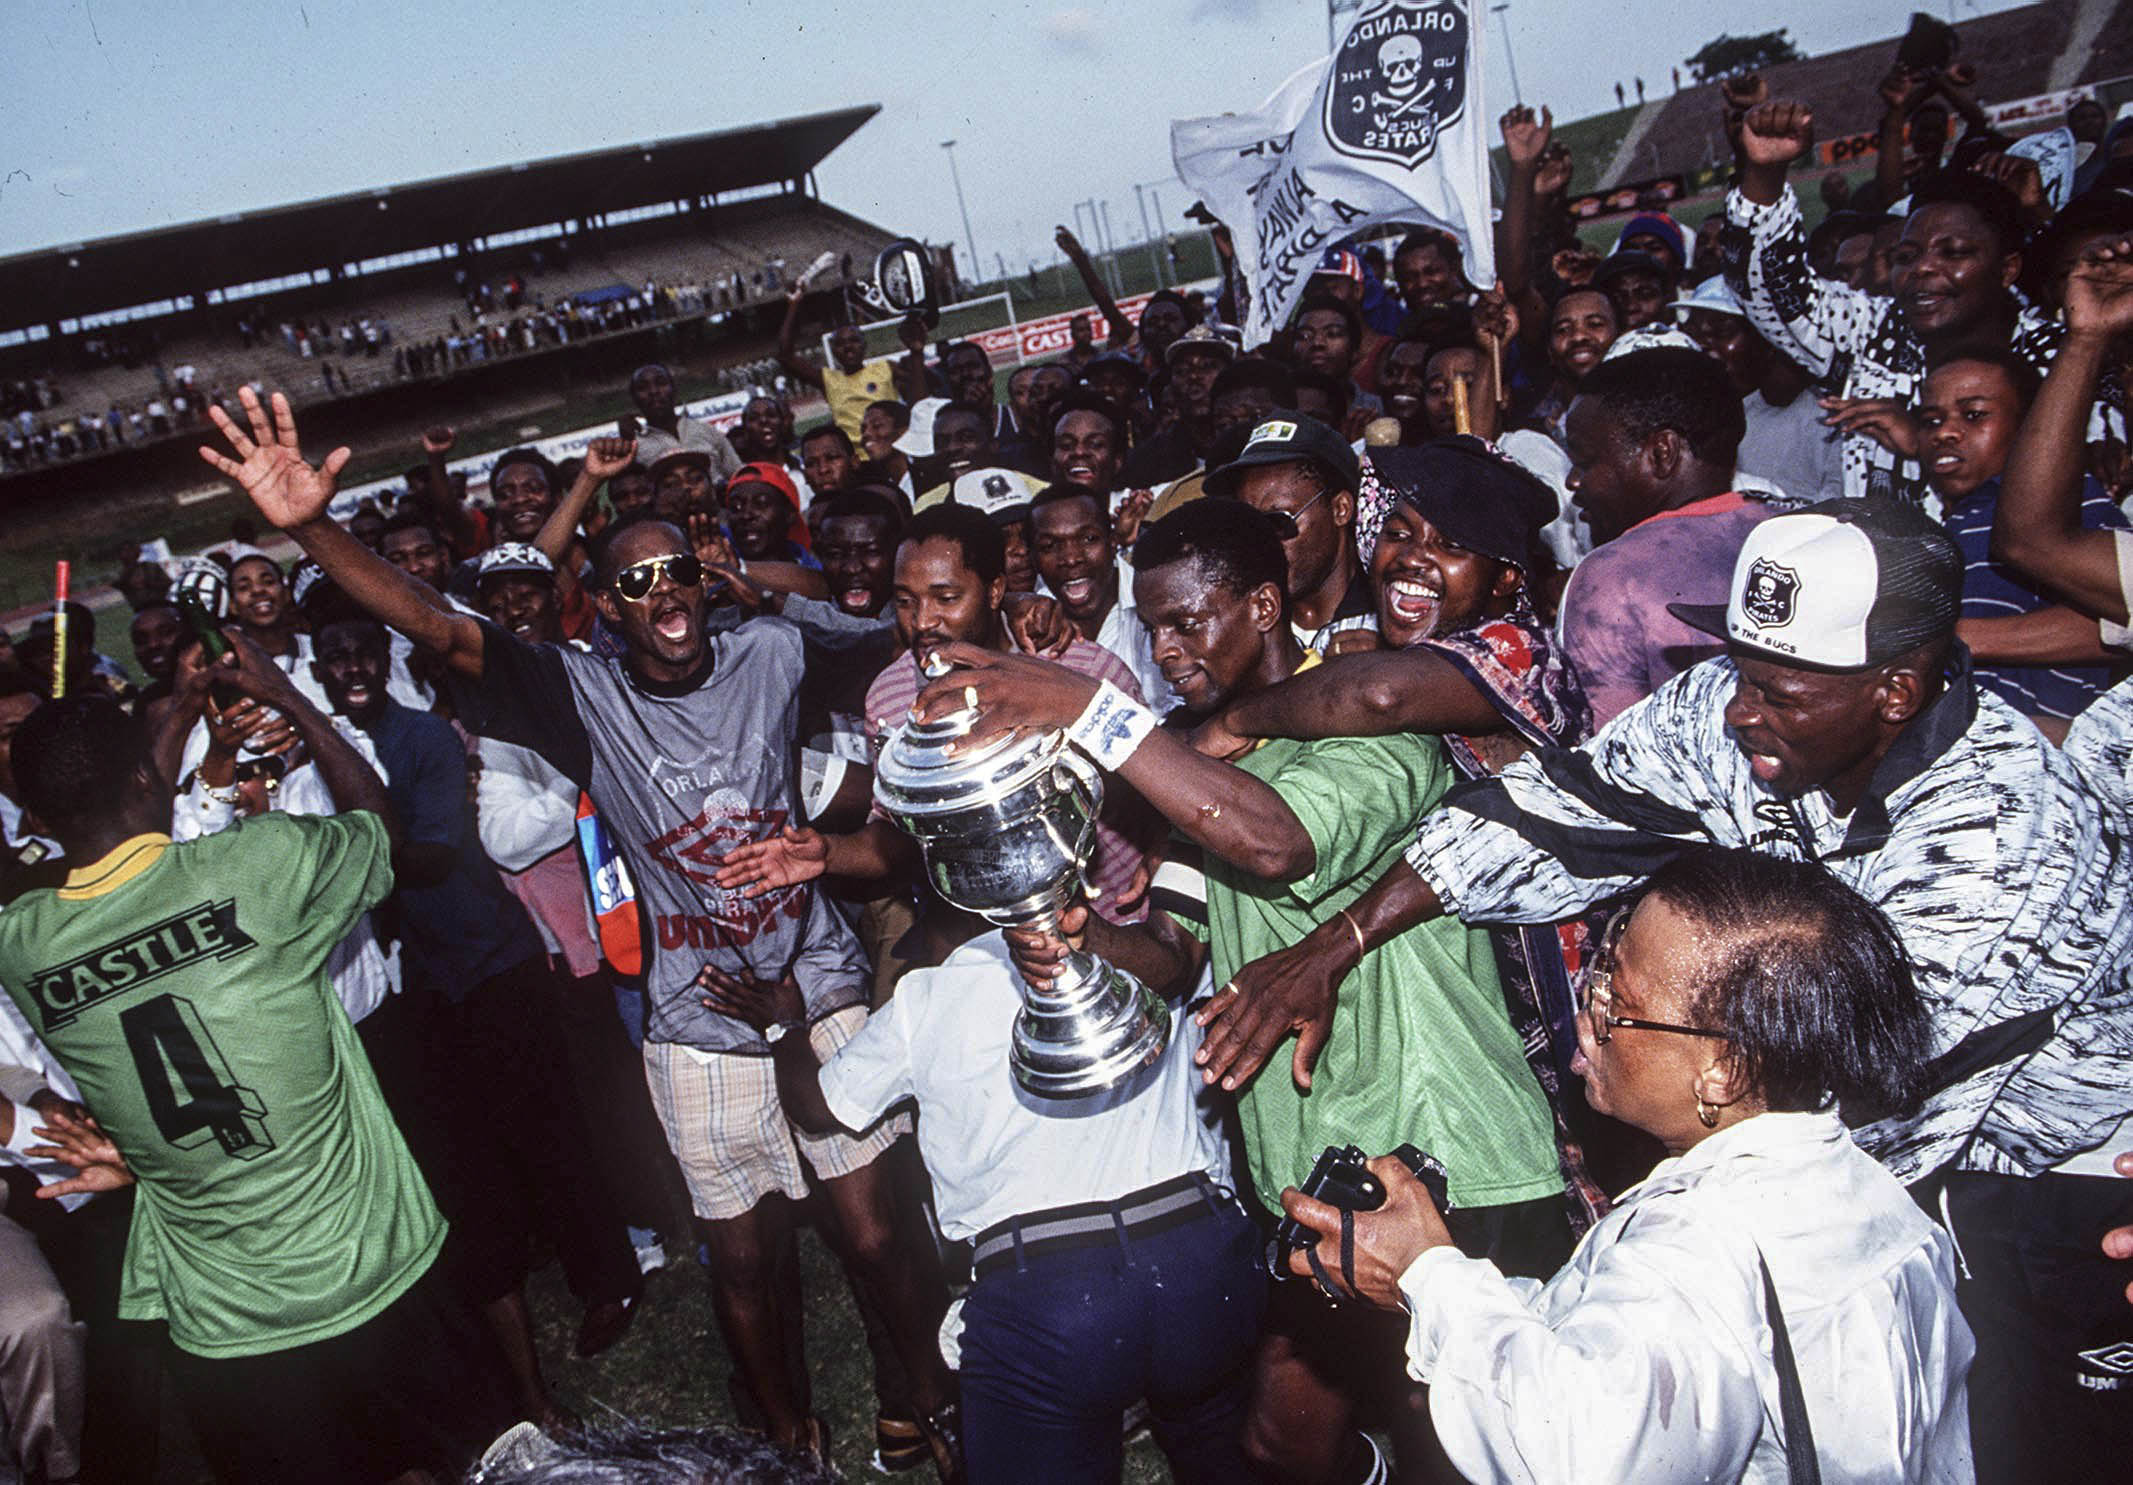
point(1355, 928)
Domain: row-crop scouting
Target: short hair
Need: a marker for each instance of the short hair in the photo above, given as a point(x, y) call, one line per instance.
point(827, 430)
point(1993, 202)
point(413, 520)
point(1081, 399)
point(983, 547)
point(1341, 307)
point(1236, 545)
point(1060, 491)
point(1327, 384)
point(1430, 239)
point(2010, 363)
point(896, 412)
point(534, 457)
point(1262, 373)
point(1672, 387)
point(957, 410)
point(630, 1454)
point(1808, 980)
point(862, 501)
point(76, 760)
point(958, 347)
point(602, 547)
point(374, 633)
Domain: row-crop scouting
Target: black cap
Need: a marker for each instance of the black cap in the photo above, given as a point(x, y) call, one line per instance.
point(1476, 497)
point(1629, 260)
point(1288, 438)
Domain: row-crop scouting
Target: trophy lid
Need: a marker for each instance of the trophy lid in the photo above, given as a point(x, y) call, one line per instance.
point(918, 775)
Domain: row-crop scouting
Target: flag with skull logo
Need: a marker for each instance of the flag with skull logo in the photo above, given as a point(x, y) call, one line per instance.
point(1389, 129)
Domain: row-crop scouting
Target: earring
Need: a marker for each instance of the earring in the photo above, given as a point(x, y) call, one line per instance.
point(1706, 1113)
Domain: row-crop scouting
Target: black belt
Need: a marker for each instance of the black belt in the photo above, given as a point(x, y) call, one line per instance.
point(1092, 1224)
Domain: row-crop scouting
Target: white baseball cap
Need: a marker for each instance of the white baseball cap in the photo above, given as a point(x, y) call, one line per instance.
point(916, 441)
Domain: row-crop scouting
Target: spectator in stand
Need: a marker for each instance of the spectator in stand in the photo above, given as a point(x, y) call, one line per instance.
point(827, 458)
point(971, 385)
point(762, 510)
point(682, 486)
point(1581, 326)
point(1640, 285)
point(1082, 567)
point(1088, 442)
point(156, 632)
point(1327, 338)
point(665, 429)
point(1193, 363)
point(883, 424)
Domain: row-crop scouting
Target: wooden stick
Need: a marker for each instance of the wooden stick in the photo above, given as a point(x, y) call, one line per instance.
point(59, 631)
point(1462, 415)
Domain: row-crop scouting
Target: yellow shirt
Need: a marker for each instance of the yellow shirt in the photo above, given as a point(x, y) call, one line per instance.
point(850, 392)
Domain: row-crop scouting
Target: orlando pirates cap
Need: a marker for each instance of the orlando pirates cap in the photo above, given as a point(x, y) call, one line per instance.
point(513, 557)
point(1291, 438)
point(1839, 586)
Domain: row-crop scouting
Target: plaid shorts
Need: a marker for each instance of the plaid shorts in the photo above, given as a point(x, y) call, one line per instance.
point(730, 1134)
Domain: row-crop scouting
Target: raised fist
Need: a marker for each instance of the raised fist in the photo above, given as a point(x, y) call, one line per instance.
point(439, 440)
point(1776, 133)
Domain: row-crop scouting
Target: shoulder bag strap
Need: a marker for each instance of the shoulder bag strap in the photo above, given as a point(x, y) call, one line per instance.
point(1801, 1466)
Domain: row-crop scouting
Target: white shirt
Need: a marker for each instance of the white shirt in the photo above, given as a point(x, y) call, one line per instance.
point(1124, 635)
point(993, 1149)
point(1648, 1357)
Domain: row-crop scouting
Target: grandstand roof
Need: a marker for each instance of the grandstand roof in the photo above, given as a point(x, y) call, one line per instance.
point(246, 247)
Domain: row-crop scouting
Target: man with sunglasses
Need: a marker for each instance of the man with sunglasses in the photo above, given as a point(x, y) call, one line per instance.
point(685, 746)
point(1843, 726)
point(1304, 474)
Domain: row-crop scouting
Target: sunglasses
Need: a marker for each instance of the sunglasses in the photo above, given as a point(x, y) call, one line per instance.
point(635, 581)
point(1286, 520)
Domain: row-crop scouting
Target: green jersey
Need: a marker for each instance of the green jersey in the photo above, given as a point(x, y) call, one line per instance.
point(1422, 1048)
point(184, 987)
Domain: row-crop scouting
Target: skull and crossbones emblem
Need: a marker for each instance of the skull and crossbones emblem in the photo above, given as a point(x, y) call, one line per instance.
point(1403, 90)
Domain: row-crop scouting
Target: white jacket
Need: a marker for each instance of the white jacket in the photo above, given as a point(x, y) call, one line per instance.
point(1648, 1357)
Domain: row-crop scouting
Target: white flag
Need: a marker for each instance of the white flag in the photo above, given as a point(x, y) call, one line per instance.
point(1388, 129)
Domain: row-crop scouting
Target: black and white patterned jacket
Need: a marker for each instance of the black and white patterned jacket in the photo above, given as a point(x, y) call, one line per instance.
point(1856, 342)
point(2005, 870)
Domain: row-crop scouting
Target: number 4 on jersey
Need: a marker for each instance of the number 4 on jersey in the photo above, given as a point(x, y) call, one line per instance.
point(189, 1087)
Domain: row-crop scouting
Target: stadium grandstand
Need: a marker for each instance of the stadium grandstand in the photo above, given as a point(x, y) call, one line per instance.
point(2030, 58)
point(466, 289)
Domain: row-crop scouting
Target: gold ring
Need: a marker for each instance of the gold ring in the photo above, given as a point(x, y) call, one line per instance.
point(970, 697)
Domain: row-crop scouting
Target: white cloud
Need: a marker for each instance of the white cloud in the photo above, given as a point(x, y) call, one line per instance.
point(1075, 28)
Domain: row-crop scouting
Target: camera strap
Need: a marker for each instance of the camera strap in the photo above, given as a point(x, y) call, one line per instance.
point(1801, 1465)
point(1318, 1269)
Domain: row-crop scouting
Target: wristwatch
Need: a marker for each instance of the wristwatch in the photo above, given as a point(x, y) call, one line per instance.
point(776, 1029)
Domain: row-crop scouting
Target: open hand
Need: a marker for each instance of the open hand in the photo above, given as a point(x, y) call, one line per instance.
point(792, 856)
point(1883, 419)
point(1526, 136)
point(270, 466)
point(76, 1139)
point(1292, 990)
point(1010, 693)
point(754, 1002)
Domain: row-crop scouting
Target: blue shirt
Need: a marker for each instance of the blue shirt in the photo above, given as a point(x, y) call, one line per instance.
point(1993, 590)
point(468, 927)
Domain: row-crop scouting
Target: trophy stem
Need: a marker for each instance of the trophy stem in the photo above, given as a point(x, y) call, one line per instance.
point(1091, 1026)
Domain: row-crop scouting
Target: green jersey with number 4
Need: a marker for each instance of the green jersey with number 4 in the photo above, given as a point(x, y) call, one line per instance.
point(185, 988)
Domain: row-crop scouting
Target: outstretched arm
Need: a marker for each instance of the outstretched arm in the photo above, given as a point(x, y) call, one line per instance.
point(2037, 526)
point(1366, 695)
point(1099, 294)
point(293, 495)
point(451, 510)
point(796, 365)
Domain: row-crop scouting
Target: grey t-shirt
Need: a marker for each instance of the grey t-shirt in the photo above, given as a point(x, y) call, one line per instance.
point(682, 774)
point(1792, 448)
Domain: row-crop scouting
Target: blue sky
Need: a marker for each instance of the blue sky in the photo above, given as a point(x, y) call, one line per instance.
point(123, 115)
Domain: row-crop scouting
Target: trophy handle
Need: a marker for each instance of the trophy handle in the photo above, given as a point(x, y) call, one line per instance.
point(1082, 773)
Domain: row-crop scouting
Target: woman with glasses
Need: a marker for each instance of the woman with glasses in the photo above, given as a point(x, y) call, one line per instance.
point(1768, 1300)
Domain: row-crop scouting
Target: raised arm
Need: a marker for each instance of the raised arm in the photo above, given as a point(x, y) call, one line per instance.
point(452, 513)
point(1525, 141)
point(293, 495)
point(1099, 295)
point(910, 368)
point(796, 365)
point(347, 775)
point(1902, 90)
point(2038, 523)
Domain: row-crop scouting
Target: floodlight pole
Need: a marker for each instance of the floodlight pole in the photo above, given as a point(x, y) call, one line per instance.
point(969, 238)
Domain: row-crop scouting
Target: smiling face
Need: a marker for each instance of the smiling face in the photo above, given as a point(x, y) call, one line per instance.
point(1424, 276)
point(940, 600)
point(858, 556)
point(522, 604)
point(1583, 326)
point(761, 434)
point(963, 438)
point(1948, 272)
point(1085, 450)
point(968, 372)
point(259, 598)
point(664, 629)
point(1076, 558)
point(156, 632)
point(877, 435)
point(523, 501)
point(1427, 584)
point(848, 348)
point(1206, 637)
point(1969, 413)
point(351, 662)
point(1403, 382)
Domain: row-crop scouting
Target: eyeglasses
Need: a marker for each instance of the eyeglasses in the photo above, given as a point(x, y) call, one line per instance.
point(1599, 997)
point(1286, 520)
point(636, 580)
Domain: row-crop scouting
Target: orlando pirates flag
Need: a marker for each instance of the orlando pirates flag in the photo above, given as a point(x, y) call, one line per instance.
point(1389, 129)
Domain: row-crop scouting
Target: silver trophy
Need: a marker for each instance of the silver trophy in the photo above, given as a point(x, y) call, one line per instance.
point(1007, 828)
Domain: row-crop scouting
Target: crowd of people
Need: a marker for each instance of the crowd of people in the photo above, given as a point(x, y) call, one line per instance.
point(1624, 777)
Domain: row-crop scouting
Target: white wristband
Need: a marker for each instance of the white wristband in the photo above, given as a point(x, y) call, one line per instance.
point(1111, 726)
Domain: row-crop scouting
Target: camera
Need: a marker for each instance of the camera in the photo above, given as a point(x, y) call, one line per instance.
point(1342, 1178)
